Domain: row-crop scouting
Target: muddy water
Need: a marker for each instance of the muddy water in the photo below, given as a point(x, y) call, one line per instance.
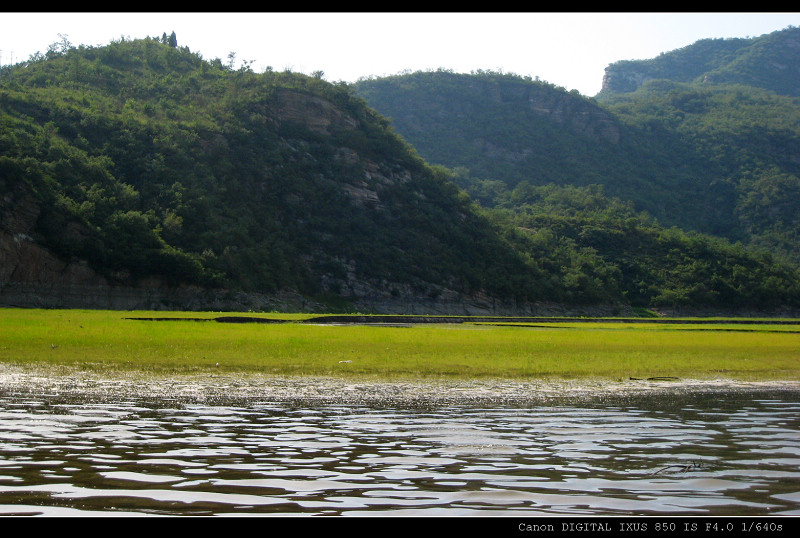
point(699, 453)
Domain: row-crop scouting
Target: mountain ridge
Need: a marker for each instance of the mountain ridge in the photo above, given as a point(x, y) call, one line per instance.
point(768, 61)
point(138, 175)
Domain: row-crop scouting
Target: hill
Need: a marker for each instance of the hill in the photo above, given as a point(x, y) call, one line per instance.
point(735, 102)
point(704, 138)
point(768, 62)
point(513, 129)
point(139, 175)
point(139, 168)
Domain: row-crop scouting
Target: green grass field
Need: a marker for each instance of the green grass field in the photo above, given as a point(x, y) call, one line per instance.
point(106, 340)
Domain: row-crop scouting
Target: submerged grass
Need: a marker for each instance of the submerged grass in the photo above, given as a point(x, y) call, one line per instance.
point(108, 340)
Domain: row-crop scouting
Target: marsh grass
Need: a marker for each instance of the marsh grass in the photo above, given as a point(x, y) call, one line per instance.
point(106, 340)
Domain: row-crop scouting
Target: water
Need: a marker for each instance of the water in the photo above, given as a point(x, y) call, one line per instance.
point(718, 454)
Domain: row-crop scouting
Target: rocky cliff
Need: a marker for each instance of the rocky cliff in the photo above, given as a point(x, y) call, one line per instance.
point(32, 275)
point(566, 109)
point(498, 126)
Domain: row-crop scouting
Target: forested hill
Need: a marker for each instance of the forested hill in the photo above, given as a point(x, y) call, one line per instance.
point(141, 164)
point(694, 150)
point(713, 157)
point(140, 175)
point(769, 62)
point(512, 129)
point(736, 103)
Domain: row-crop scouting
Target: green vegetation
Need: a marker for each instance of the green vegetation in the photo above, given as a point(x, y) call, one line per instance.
point(107, 341)
point(667, 191)
point(759, 62)
point(601, 248)
point(144, 159)
point(715, 159)
point(748, 135)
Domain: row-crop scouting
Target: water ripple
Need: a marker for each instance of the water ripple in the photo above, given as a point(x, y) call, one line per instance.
point(690, 455)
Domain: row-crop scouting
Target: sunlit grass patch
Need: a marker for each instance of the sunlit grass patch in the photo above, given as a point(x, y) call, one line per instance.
point(113, 340)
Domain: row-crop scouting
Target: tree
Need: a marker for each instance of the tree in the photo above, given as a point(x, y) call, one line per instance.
point(59, 47)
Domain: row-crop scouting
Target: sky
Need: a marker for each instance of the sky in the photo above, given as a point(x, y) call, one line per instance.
point(570, 50)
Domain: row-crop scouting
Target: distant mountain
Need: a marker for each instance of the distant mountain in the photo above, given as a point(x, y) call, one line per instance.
point(698, 137)
point(498, 126)
point(738, 108)
point(139, 175)
point(513, 129)
point(769, 62)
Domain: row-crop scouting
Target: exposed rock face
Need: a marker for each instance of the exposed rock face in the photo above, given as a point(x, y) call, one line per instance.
point(32, 276)
point(577, 114)
point(313, 112)
point(623, 80)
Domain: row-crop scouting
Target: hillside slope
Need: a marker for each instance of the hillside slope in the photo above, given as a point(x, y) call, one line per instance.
point(712, 146)
point(769, 62)
point(513, 129)
point(735, 102)
point(139, 175)
point(138, 162)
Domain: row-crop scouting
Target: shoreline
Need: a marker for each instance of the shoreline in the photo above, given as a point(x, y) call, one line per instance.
point(419, 319)
point(230, 389)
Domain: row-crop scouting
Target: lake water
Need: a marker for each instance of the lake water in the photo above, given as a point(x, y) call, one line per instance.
point(714, 454)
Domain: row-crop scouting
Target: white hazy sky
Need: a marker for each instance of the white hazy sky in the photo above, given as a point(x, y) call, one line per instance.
point(567, 49)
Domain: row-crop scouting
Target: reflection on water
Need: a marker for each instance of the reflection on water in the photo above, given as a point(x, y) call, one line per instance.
point(716, 454)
